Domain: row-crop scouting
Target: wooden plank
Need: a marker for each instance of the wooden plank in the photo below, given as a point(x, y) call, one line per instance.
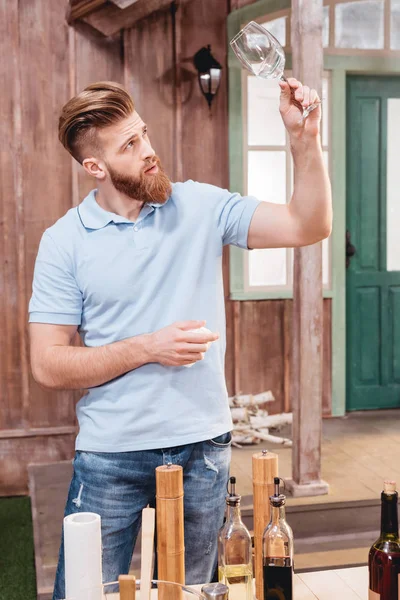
point(150, 80)
point(278, 336)
point(17, 454)
point(176, 15)
point(96, 59)
point(80, 8)
point(110, 19)
point(46, 165)
point(205, 134)
point(262, 355)
point(48, 489)
point(13, 358)
point(32, 432)
point(306, 383)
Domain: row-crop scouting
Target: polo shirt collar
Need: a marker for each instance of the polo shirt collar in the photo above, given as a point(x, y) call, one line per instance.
point(93, 216)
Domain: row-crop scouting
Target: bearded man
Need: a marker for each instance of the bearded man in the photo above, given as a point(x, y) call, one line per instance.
point(135, 268)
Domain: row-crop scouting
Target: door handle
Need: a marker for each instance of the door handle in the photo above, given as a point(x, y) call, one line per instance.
point(350, 249)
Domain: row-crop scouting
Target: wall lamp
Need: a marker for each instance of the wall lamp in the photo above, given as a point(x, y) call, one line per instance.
point(209, 73)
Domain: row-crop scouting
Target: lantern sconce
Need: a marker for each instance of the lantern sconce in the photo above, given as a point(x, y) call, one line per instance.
point(209, 73)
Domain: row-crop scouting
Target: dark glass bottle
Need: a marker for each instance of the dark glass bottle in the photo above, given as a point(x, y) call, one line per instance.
point(278, 551)
point(384, 555)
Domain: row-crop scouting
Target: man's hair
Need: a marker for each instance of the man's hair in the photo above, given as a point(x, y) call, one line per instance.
point(99, 105)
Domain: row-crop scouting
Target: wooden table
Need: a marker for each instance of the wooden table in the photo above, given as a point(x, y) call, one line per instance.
point(338, 584)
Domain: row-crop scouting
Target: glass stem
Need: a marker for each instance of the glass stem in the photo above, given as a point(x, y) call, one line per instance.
point(292, 93)
point(304, 111)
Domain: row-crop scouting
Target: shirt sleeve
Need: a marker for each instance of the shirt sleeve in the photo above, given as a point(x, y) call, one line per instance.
point(56, 297)
point(235, 214)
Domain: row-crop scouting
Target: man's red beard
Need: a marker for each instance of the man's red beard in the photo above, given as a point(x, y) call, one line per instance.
point(151, 189)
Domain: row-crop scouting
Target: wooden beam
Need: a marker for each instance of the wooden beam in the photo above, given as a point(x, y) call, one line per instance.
point(307, 340)
point(110, 19)
point(8, 434)
point(80, 8)
point(176, 15)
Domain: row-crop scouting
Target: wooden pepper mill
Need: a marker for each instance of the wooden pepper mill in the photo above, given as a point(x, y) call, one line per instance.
point(265, 468)
point(170, 528)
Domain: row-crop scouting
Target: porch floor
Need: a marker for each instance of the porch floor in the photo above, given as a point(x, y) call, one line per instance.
point(359, 451)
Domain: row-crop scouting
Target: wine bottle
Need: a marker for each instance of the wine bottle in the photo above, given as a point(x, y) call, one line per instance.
point(235, 550)
point(384, 555)
point(278, 551)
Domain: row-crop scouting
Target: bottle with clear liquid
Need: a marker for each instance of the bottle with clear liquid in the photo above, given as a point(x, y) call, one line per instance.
point(278, 551)
point(235, 567)
point(384, 555)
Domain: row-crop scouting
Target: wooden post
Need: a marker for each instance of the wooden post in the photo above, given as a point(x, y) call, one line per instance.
point(170, 530)
point(265, 468)
point(306, 372)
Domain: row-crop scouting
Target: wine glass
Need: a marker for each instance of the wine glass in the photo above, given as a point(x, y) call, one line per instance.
point(261, 53)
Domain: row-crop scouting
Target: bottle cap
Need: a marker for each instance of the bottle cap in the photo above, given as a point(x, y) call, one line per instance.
point(215, 591)
point(232, 499)
point(277, 499)
point(389, 487)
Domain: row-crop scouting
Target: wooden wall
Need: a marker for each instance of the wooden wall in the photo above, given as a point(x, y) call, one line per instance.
point(43, 63)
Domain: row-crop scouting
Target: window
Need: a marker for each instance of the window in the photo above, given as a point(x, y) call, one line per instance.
point(368, 16)
point(348, 26)
point(269, 176)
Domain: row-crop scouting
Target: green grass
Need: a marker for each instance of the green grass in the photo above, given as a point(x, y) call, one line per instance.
point(17, 566)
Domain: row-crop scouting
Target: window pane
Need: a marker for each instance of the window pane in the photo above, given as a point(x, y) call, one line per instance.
point(278, 29)
point(395, 25)
point(267, 181)
point(325, 30)
point(326, 247)
point(325, 112)
point(265, 126)
point(359, 24)
point(267, 176)
point(267, 267)
point(393, 186)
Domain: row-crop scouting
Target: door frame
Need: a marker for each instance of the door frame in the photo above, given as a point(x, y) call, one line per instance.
point(340, 65)
point(385, 85)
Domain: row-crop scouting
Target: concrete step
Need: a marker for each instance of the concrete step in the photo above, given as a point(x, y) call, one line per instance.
point(328, 535)
point(328, 519)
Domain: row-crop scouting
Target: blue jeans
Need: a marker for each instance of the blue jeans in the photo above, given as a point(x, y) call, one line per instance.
point(119, 485)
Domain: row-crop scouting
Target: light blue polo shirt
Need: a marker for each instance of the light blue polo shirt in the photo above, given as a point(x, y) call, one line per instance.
point(115, 279)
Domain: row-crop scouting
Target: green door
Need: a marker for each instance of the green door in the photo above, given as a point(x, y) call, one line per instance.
point(373, 216)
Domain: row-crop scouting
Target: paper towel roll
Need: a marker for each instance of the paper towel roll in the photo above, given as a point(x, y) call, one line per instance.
point(199, 330)
point(82, 550)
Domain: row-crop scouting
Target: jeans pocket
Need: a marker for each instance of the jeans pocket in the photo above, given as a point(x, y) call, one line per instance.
point(222, 441)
